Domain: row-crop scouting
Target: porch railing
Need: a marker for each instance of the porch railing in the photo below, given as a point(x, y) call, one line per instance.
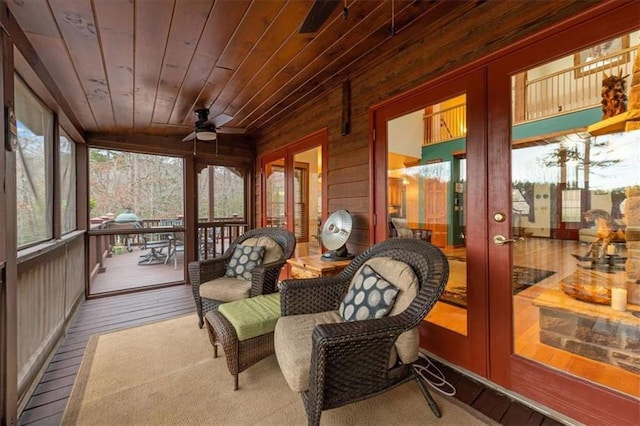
point(446, 124)
point(571, 89)
point(215, 237)
point(575, 87)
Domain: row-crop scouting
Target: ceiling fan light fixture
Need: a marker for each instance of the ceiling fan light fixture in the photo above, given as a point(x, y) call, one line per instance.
point(206, 135)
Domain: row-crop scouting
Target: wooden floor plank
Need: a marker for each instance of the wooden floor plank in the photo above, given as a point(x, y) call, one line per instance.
point(53, 385)
point(69, 362)
point(521, 415)
point(467, 390)
point(53, 420)
point(117, 314)
point(89, 329)
point(43, 412)
point(72, 346)
point(49, 397)
point(60, 356)
point(136, 297)
point(63, 372)
point(129, 321)
point(547, 421)
point(102, 312)
point(122, 319)
point(492, 404)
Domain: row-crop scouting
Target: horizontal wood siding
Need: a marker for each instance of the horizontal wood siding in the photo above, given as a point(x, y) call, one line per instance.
point(49, 287)
point(411, 58)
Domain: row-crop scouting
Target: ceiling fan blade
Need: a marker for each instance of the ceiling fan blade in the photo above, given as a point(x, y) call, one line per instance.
point(319, 13)
point(232, 130)
point(221, 119)
point(189, 137)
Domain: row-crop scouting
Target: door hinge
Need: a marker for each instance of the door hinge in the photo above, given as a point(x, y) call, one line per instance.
point(375, 220)
point(374, 135)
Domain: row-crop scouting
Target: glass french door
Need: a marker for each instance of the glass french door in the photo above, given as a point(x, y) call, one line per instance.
point(275, 214)
point(430, 178)
point(293, 190)
point(564, 302)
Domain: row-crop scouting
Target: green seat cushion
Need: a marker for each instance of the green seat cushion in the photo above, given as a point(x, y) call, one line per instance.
point(254, 316)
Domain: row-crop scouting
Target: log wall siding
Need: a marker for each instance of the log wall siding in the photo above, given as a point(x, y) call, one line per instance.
point(49, 289)
point(412, 61)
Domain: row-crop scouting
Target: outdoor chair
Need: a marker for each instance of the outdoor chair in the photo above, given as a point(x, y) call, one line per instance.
point(212, 284)
point(399, 228)
point(155, 250)
point(331, 361)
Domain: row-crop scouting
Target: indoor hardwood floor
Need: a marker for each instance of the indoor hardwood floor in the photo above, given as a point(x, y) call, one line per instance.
point(46, 405)
point(552, 255)
point(557, 256)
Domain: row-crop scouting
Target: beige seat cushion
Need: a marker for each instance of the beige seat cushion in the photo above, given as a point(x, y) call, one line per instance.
point(292, 343)
point(402, 276)
point(273, 252)
point(225, 289)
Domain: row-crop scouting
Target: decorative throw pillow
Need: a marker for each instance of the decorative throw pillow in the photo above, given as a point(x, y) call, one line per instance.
point(402, 227)
point(370, 296)
point(244, 259)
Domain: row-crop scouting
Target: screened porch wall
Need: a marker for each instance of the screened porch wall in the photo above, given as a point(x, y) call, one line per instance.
point(49, 287)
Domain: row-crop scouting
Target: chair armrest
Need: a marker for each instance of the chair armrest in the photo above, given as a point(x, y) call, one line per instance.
point(355, 331)
point(306, 296)
point(207, 270)
point(357, 350)
point(264, 277)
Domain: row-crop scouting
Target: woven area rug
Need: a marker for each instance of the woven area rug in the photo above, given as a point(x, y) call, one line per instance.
point(164, 373)
point(456, 294)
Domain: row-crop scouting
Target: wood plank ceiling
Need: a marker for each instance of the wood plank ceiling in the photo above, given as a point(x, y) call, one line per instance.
point(145, 66)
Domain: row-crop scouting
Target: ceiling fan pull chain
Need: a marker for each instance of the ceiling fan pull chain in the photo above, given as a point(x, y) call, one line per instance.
point(345, 11)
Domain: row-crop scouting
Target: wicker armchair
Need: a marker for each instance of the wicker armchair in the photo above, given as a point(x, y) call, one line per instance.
point(263, 277)
point(352, 361)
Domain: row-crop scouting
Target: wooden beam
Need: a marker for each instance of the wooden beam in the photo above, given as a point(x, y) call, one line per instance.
point(8, 247)
point(55, 184)
point(230, 150)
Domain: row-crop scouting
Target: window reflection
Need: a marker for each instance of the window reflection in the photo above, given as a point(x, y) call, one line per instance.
point(576, 203)
point(426, 182)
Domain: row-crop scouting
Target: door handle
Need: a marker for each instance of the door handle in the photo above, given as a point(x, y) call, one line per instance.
point(501, 240)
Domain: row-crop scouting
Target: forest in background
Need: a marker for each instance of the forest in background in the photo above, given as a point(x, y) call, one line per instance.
point(151, 186)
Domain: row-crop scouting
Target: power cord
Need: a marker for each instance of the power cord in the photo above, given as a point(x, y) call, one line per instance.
point(432, 375)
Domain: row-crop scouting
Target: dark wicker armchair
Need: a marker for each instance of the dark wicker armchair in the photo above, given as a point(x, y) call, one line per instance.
point(211, 272)
point(352, 361)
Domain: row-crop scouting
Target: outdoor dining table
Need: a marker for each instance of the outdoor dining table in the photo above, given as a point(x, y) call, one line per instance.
point(156, 248)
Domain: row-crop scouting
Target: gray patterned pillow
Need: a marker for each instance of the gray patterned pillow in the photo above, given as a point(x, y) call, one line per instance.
point(370, 296)
point(244, 259)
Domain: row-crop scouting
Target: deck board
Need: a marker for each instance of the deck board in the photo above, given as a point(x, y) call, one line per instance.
point(520, 415)
point(122, 272)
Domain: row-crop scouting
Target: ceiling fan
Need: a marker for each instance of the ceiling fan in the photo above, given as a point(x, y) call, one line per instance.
point(318, 14)
point(207, 130)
